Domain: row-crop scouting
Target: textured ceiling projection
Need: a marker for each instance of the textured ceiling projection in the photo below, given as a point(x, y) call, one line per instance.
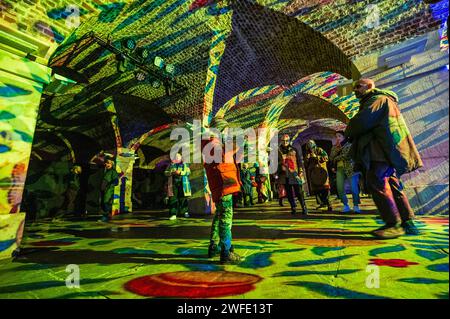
point(220, 49)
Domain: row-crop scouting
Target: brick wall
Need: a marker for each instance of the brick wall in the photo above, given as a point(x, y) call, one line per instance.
point(345, 22)
point(46, 19)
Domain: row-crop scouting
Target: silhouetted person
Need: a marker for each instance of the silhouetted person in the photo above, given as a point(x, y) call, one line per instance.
point(109, 181)
point(70, 196)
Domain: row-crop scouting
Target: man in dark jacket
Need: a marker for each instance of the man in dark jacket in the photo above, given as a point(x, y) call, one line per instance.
point(384, 148)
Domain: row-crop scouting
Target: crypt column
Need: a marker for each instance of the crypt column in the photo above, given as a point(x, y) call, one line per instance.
point(23, 75)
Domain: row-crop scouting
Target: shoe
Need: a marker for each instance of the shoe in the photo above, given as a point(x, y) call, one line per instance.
point(389, 232)
point(173, 217)
point(281, 203)
point(293, 211)
point(356, 209)
point(330, 208)
point(410, 228)
point(231, 258)
point(213, 250)
point(346, 209)
point(187, 215)
point(104, 219)
point(305, 212)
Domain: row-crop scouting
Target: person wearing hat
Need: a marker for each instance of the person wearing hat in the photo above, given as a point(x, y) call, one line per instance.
point(286, 176)
point(316, 166)
point(224, 181)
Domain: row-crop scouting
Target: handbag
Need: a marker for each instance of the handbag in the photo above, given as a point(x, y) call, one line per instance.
point(281, 191)
point(319, 176)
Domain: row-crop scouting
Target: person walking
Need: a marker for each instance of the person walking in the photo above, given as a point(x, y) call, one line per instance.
point(71, 193)
point(286, 184)
point(384, 147)
point(294, 182)
point(344, 169)
point(316, 166)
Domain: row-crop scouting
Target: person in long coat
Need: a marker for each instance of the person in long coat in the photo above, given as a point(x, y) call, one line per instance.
point(178, 187)
point(317, 172)
point(384, 148)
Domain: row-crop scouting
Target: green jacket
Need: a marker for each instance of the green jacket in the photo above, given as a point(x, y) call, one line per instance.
point(246, 178)
point(183, 178)
point(379, 133)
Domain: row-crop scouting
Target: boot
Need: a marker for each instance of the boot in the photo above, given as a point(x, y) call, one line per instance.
point(213, 250)
point(389, 232)
point(230, 258)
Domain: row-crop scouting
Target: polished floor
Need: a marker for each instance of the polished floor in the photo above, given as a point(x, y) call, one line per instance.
point(145, 255)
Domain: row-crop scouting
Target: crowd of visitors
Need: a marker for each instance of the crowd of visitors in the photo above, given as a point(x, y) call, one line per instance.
point(375, 150)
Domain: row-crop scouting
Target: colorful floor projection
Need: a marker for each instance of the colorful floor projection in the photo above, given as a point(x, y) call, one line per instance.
point(144, 255)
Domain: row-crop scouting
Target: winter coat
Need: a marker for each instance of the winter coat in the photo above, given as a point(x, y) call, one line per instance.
point(247, 183)
point(342, 153)
point(282, 155)
point(223, 178)
point(183, 178)
point(379, 133)
point(316, 163)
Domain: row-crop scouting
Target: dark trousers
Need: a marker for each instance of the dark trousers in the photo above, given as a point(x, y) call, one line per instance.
point(293, 191)
point(324, 197)
point(69, 203)
point(387, 193)
point(178, 204)
point(248, 199)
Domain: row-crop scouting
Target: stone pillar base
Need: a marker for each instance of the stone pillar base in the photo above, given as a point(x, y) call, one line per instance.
point(11, 232)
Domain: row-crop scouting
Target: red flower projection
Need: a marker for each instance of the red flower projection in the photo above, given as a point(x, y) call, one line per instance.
point(398, 263)
point(193, 284)
point(197, 4)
